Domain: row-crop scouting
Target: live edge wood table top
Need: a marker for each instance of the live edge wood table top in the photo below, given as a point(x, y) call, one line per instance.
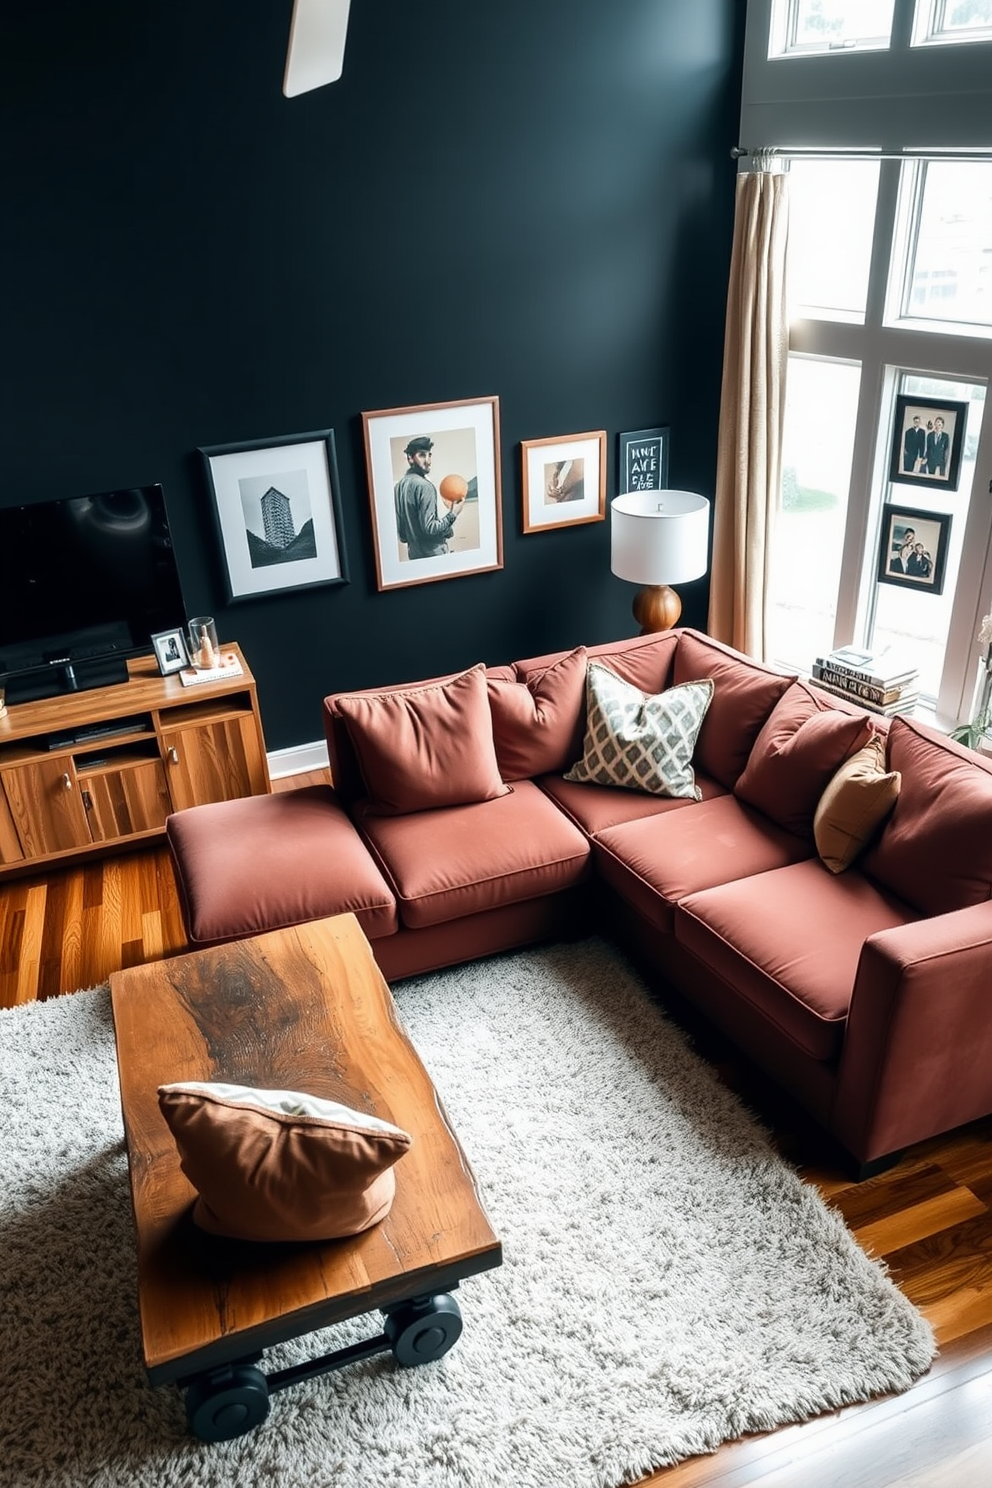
point(299, 1009)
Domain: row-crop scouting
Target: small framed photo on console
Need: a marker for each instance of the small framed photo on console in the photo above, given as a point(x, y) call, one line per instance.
point(170, 651)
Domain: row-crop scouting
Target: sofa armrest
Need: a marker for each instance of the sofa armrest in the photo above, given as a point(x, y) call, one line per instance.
point(917, 1056)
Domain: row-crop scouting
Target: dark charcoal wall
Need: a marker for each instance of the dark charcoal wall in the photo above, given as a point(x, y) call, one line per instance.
point(528, 198)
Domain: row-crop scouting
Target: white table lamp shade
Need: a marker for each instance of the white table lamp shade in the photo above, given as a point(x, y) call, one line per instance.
point(659, 537)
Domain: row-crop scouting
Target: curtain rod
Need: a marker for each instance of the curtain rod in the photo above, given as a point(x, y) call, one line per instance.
point(803, 152)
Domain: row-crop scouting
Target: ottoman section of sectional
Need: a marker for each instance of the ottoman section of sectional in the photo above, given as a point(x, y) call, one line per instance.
point(263, 862)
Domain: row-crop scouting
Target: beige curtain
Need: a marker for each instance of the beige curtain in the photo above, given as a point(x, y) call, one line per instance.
point(752, 411)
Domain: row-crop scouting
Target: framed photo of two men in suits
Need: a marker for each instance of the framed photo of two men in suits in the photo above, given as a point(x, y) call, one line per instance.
point(927, 441)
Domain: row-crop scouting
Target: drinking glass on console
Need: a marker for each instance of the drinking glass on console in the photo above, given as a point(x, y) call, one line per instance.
point(204, 648)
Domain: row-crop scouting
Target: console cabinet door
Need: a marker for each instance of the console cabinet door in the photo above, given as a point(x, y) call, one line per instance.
point(217, 761)
point(47, 806)
point(126, 800)
point(11, 850)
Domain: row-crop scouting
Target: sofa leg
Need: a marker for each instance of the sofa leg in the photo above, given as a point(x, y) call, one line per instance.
point(860, 1172)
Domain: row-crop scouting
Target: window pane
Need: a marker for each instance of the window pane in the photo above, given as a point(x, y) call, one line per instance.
point(833, 25)
point(952, 20)
point(950, 276)
point(831, 223)
point(917, 620)
point(821, 406)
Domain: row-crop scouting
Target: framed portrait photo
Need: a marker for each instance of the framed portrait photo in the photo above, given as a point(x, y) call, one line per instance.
point(927, 440)
point(564, 481)
point(434, 490)
point(913, 548)
point(170, 651)
point(278, 510)
point(642, 461)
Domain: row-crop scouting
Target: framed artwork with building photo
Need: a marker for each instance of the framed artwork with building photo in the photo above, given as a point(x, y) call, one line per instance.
point(913, 548)
point(642, 463)
point(927, 441)
point(278, 510)
point(564, 481)
point(434, 490)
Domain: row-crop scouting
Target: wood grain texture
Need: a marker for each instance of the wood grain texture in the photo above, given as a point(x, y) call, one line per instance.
point(171, 747)
point(299, 1009)
point(55, 936)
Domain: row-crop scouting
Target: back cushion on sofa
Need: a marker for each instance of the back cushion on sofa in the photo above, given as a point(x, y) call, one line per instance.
point(643, 661)
point(799, 748)
point(537, 724)
point(935, 850)
point(744, 694)
point(425, 746)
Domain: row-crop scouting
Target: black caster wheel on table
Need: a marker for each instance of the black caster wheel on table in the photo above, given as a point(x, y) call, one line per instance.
point(227, 1403)
point(424, 1329)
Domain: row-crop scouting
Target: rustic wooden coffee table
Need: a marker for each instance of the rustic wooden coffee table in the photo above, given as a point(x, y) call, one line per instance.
point(304, 1009)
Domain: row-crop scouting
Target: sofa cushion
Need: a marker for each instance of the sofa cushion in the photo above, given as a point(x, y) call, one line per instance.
point(789, 942)
point(281, 1164)
point(853, 806)
point(537, 724)
point(653, 863)
point(637, 741)
point(596, 807)
point(427, 746)
point(463, 860)
point(800, 746)
point(744, 694)
point(262, 862)
point(644, 661)
point(935, 850)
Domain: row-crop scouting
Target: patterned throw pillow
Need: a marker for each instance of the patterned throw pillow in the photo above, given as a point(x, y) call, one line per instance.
point(639, 741)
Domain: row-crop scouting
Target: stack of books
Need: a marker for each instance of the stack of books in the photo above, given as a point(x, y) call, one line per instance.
point(880, 681)
point(227, 666)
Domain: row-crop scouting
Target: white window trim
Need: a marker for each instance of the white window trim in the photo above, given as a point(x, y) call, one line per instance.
point(935, 98)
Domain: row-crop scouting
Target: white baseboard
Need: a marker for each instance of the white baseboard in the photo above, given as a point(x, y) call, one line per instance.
point(298, 759)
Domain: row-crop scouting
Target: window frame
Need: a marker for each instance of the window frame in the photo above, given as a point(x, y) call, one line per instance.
point(904, 98)
point(929, 30)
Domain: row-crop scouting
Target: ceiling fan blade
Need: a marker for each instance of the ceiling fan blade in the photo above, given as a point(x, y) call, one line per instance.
point(316, 45)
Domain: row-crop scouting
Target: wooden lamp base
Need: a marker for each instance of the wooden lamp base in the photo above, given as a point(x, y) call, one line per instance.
point(656, 607)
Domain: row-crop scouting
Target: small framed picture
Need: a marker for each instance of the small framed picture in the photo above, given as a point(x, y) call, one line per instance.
point(434, 490)
point(564, 481)
point(913, 548)
point(278, 512)
point(927, 440)
point(170, 651)
point(642, 461)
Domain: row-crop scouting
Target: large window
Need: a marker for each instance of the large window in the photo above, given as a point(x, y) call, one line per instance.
point(890, 293)
point(944, 246)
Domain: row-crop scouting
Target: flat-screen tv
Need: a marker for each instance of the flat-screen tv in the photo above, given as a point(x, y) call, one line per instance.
point(84, 583)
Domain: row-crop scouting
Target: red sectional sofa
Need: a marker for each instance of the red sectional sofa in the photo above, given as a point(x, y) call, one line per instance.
point(452, 832)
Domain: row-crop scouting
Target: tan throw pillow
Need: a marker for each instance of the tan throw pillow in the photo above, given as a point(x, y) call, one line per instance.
point(853, 805)
point(280, 1164)
point(425, 746)
point(640, 741)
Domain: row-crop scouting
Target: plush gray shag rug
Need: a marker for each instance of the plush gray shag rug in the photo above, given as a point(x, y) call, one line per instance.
point(668, 1284)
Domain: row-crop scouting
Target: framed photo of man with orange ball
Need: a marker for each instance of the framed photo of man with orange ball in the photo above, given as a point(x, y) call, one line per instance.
point(434, 490)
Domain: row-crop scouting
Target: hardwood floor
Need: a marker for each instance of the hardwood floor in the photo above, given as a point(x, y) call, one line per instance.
point(929, 1218)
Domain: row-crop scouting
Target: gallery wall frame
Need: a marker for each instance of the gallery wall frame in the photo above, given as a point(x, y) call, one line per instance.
point(642, 460)
point(564, 481)
point(912, 550)
point(434, 490)
point(927, 441)
point(277, 506)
